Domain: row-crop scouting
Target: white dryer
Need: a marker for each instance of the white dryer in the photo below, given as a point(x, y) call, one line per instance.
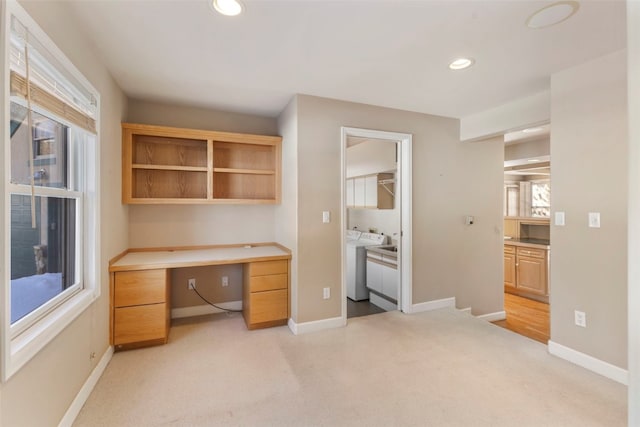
point(357, 263)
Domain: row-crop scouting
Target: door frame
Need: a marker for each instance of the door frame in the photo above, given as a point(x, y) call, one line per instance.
point(404, 144)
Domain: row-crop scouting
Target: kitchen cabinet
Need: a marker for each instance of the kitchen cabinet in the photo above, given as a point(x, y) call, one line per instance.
point(140, 308)
point(162, 165)
point(531, 271)
point(369, 193)
point(526, 270)
point(509, 266)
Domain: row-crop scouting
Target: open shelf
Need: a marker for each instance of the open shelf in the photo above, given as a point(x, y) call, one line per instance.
point(174, 165)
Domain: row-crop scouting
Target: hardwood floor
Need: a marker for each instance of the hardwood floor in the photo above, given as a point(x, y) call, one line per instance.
point(526, 317)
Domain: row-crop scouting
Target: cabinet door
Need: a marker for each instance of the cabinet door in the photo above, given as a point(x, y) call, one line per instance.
point(358, 191)
point(351, 201)
point(509, 268)
point(371, 191)
point(390, 282)
point(532, 275)
point(374, 276)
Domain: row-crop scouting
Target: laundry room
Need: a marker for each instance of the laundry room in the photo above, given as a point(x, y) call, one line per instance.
point(373, 225)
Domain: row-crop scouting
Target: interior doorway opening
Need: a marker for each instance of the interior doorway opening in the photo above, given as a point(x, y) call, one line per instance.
point(376, 219)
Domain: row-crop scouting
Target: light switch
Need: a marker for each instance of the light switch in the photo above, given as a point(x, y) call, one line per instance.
point(326, 217)
point(594, 219)
point(559, 218)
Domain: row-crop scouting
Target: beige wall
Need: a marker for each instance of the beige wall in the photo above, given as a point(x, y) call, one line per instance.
point(56, 374)
point(528, 149)
point(208, 284)
point(181, 225)
point(588, 266)
point(286, 214)
point(633, 92)
point(450, 180)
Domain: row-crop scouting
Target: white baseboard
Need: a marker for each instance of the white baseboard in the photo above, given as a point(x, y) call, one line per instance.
point(589, 362)
point(492, 317)
point(200, 310)
point(384, 304)
point(318, 325)
point(465, 310)
point(434, 305)
point(85, 391)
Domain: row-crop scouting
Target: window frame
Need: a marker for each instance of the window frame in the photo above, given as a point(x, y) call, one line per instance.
point(20, 344)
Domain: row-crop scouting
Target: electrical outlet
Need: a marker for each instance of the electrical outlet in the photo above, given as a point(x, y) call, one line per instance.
point(192, 284)
point(225, 280)
point(326, 293)
point(580, 318)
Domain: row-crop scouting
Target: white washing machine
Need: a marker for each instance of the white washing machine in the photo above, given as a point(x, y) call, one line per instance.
point(357, 263)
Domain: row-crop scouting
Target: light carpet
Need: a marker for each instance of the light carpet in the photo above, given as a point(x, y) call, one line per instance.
point(439, 368)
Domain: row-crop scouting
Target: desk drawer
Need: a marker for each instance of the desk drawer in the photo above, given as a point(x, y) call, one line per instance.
point(140, 287)
point(268, 283)
point(264, 268)
point(141, 323)
point(268, 306)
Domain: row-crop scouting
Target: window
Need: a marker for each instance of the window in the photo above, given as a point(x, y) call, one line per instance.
point(51, 235)
point(527, 198)
point(541, 199)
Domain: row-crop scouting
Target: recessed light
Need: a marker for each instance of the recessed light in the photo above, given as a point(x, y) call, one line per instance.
point(553, 14)
point(461, 63)
point(532, 130)
point(227, 7)
point(533, 160)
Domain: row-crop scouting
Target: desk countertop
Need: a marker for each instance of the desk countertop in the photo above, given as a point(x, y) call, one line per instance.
point(150, 258)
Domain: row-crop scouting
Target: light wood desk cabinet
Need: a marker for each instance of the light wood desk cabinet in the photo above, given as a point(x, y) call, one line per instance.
point(141, 307)
point(265, 293)
point(140, 281)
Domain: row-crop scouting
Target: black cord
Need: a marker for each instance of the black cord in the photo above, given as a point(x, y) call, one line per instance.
point(213, 305)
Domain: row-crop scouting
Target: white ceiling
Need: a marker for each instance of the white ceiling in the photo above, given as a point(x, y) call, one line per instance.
point(391, 53)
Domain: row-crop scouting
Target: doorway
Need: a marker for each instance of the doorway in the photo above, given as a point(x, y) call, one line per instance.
point(390, 182)
point(527, 243)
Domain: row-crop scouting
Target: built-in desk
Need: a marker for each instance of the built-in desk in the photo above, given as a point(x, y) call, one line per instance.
point(140, 281)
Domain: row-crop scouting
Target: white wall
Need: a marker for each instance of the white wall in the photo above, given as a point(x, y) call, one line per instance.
point(56, 374)
point(588, 266)
point(633, 93)
point(371, 156)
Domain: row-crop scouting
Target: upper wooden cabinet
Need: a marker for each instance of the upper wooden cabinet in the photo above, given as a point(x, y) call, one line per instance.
point(173, 165)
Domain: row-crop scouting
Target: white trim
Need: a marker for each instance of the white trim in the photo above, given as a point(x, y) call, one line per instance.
point(200, 310)
point(82, 396)
point(17, 351)
point(492, 317)
point(465, 310)
point(598, 366)
point(405, 141)
point(434, 305)
point(317, 325)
